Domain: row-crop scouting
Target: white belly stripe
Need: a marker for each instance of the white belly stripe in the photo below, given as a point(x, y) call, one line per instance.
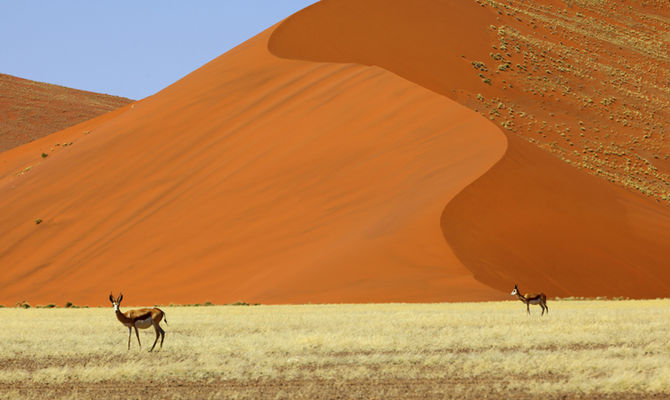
point(143, 323)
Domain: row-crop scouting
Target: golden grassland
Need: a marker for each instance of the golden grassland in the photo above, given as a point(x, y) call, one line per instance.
point(582, 349)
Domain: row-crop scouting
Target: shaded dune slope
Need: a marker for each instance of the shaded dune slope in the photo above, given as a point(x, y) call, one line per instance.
point(532, 219)
point(427, 42)
point(254, 178)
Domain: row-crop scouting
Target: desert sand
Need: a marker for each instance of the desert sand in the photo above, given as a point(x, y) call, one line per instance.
point(325, 160)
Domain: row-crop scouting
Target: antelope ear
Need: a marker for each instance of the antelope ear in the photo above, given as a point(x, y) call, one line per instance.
point(120, 297)
point(111, 298)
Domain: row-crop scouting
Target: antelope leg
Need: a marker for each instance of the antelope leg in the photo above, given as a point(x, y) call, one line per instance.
point(157, 334)
point(138, 336)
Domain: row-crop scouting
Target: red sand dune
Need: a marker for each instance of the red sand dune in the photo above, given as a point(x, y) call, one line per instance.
point(30, 110)
point(287, 171)
point(254, 178)
point(532, 219)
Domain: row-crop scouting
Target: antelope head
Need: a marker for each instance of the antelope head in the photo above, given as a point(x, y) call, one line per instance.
point(116, 302)
point(515, 291)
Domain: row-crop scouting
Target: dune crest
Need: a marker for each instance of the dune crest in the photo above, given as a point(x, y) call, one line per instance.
point(427, 42)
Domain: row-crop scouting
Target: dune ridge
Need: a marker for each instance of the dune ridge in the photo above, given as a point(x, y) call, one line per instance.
point(255, 179)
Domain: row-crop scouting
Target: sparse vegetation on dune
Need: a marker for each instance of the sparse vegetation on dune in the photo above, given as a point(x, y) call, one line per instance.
point(583, 349)
point(587, 82)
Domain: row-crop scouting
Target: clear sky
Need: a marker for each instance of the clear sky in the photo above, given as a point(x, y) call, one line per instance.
point(129, 48)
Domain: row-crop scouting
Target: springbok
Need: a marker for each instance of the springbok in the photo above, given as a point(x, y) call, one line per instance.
point(140, 319)
point(529, 299)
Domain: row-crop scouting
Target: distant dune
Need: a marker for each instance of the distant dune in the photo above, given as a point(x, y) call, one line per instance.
point(325, 160)
point(30, 110)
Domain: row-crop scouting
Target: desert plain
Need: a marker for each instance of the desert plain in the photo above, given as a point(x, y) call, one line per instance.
point(580, 350)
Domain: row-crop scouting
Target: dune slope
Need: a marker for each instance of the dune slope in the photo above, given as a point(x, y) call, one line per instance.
point(254, 178)
point(532, 219)
point(558, 229)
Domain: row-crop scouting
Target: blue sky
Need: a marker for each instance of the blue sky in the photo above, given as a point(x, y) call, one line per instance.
point(126, 48)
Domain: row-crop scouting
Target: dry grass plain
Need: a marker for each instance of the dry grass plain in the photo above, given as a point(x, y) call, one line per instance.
point(582, 349)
